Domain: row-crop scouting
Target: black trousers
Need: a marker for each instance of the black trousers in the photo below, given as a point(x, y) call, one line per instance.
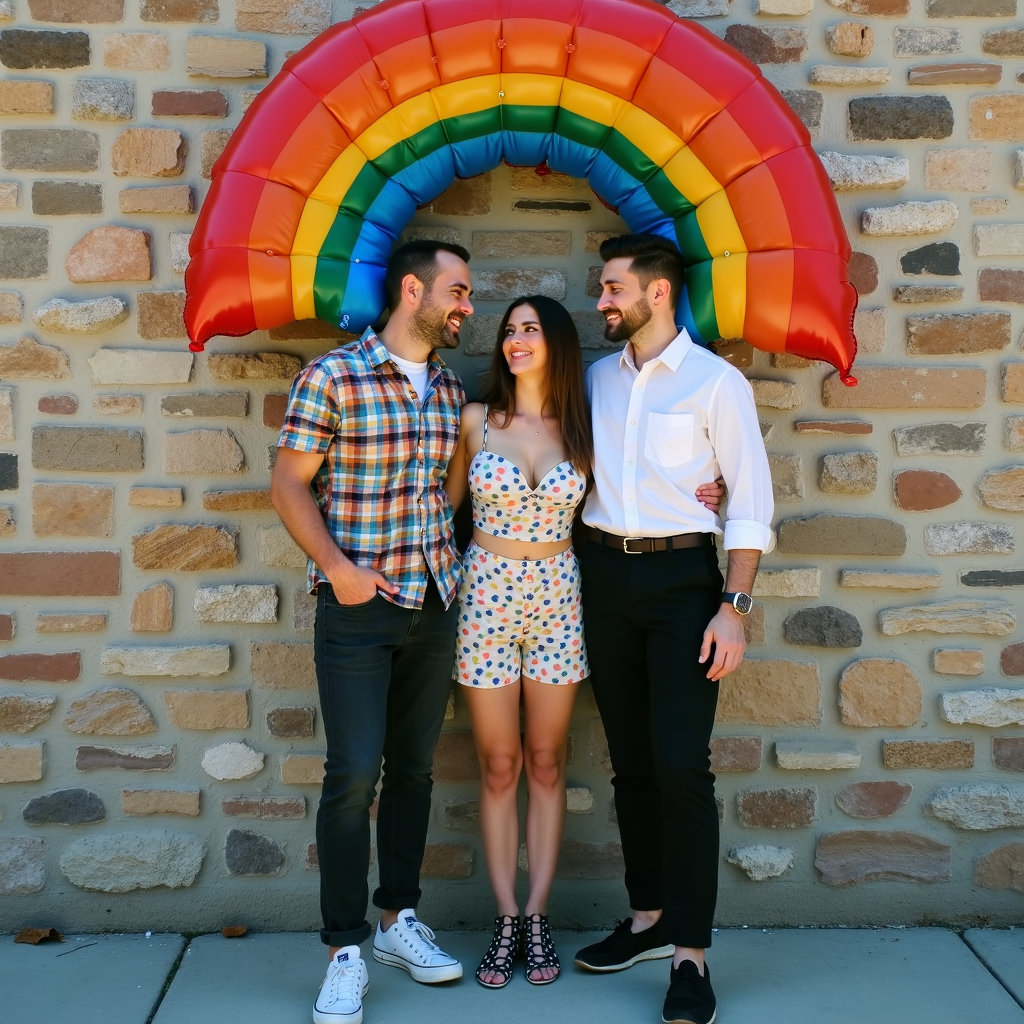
point(384, 675)
point(645, 617)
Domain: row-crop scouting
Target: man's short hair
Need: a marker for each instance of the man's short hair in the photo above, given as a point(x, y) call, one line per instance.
point(653, 257)
point(418, 258)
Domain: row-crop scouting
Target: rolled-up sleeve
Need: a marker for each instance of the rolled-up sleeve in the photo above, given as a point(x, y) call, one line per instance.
point(313, 415)
point(735, 435)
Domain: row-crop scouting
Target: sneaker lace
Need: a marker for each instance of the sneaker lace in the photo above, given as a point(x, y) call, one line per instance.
point(345, 982)
point(426, 937)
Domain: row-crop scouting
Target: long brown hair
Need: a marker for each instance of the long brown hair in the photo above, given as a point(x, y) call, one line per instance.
point(566, 395)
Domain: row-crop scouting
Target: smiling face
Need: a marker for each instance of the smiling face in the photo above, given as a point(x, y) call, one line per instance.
point(442, 308)
point(624, 303)
point(524, 345)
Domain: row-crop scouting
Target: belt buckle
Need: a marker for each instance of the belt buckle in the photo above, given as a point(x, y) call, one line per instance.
point(625, 542)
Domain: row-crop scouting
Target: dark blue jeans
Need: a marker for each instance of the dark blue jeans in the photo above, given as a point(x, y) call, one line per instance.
point(384, 675)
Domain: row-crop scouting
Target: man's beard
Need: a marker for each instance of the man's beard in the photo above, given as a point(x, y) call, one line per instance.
point(429, 324)
point(631, 320)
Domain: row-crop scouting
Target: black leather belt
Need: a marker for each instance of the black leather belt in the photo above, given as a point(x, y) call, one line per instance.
point(646, 545)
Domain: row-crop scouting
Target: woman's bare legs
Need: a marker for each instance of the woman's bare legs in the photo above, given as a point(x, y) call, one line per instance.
point(494, 713)
point(548, 714)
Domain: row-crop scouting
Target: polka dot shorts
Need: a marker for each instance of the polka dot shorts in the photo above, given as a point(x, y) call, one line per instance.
point(519, 618)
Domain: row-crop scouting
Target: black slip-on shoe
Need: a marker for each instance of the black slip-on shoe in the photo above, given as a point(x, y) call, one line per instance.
point(690, 999)
point(624, 948)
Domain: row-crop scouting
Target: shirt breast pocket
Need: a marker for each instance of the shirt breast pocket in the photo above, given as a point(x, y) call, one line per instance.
point(669, 438)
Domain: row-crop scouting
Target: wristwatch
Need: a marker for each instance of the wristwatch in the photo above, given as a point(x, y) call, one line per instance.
point(740, 601)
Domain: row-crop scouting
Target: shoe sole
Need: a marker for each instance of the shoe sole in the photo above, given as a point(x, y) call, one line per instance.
point(686, 1020)
point(340, 1018)
point(660, 953)
point(424, 975)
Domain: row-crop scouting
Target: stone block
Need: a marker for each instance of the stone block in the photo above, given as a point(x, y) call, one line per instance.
point(236, 603)
point(878, 118)
point(21, 762)
point(455, 758)
point(850, 38)
point(1008, 753)
point(953, 662)
point(862, 535)
point(992, 578)
point(125, 861)
point(787, 477)
point(25, 97)
point(22, 49)
point(770, 692)
point(979, 806)
point(208, 709)
point(807, 104)
point(777, 808)
point(774, 45)
point(109, 711)
point(939, 755)
point(849, 473)
point(85, 316)
point(265, 808)
point(232, 761)
point(274, 408)
point(118, 405)
point(225, 57)
point(149, 153)
point(206, 404)
point(516, 244)
point(153, 609)
point(870, 800)
point(81, 12)
point(816, 755)
point(140, 366)
point(994, 206)
point(993, 618)
point(1011, 382)
point(991, 706)
point(964, 73)
point(144, 802)
point(248, 853)
point(995, 285)
point(302, 769)
point(787, 583)
point(848, 75)
point(110, 254)
point(461, 816)
point(915, 217)
point(972, 8)
point(580, 860)
point(470, 197)
point(280, 666)
point(155, 497)
point(60, 573)
point(966, 538)
point(65, 807)
point(24, 252)
point(928, 293)
point(8, 472)
point(508, 283)
point(939, 258)
point(54, 405)
point(72, 510)
point(102, 99)
point(907, 387)
point(447, 860)
point(997, 117)
point(1002, 868)
point(21, 712)
point(853, 857)
point(7, 524)
point(879, 692)
point(12, 306)
point(926, 42)
point(253, 366)
point(1003, 42)
point(180, 10)
point(138, 759)
point(185, 548)
point(156, 199)
point(923, 490)
point(213, 144)
point(283, 17)
point(202, 452)
point(940, 439)
point(278, 550)
point(761, 861)
point(735, 753)
point(41, 668)
point(137, 51)
point(851, 171)
point(86, 449)
point(291, 722)
point(958, 170)
point(178, 245)
point(22, 865)
point(161, 315)
point(1011, 660)
point(999, 239)
point(699, 8)
point(1003, 489)
point(205, 661)
point(254, 500)
point(823, 626)
point(189, 103)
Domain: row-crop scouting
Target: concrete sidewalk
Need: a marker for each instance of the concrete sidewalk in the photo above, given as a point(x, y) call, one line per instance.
point(797, 976)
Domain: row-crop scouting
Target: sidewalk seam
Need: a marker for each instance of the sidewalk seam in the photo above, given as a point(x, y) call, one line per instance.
point(981, 960)
point(170, 978)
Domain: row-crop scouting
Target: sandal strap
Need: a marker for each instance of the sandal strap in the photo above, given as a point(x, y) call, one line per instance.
point(547, 957)
point(502, 950)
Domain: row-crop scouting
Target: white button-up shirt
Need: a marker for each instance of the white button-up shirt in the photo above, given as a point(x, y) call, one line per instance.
point(683, 419)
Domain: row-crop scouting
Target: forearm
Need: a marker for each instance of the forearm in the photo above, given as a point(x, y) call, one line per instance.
point(303, 520)
point(739, 577)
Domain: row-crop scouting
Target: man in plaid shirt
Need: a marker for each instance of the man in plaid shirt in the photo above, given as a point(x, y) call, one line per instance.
point(358, 482)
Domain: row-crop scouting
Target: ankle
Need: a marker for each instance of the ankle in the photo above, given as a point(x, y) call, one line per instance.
point(387, 919)
point(695, 956)
point(644, 919)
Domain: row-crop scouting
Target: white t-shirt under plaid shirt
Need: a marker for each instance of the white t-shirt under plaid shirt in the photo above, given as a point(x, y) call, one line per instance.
point(381, 485)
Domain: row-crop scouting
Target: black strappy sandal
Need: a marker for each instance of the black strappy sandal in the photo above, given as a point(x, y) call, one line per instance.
point(501, 952)
point(537, 935)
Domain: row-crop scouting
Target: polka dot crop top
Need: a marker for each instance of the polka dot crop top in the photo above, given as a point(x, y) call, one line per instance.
point(504, 505)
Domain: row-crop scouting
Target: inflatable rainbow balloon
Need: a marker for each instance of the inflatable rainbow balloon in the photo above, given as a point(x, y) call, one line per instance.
point(671, 127)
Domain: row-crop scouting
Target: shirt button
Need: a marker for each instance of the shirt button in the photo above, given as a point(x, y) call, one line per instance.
point(629, 497)
point(632, 423)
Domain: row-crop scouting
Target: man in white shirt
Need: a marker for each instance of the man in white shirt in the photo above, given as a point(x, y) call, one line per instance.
point(661, 633)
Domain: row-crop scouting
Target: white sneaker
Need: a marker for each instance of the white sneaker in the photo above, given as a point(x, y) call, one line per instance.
point(341, 995)
point(409, 944)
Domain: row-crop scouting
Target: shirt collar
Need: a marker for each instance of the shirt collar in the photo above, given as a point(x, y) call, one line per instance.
point(379, 355)
point(671, 357)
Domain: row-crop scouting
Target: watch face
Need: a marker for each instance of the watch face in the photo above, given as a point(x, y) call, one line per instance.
point(743, 603)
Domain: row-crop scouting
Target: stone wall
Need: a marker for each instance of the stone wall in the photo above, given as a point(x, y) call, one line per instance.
point(160, 746)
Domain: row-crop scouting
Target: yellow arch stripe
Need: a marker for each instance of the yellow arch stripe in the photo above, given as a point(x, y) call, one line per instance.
point(729, 286)
point(718, 225)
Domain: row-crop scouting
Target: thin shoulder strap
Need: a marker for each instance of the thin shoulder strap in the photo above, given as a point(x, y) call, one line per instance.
point(486, 415)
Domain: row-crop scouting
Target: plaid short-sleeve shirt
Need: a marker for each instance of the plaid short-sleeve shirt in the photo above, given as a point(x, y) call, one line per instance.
point(380, 487)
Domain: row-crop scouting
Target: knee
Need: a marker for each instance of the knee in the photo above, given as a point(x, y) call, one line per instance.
point(350, 789)
point(545, 767)
point(682, 775)
point(500, 770)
